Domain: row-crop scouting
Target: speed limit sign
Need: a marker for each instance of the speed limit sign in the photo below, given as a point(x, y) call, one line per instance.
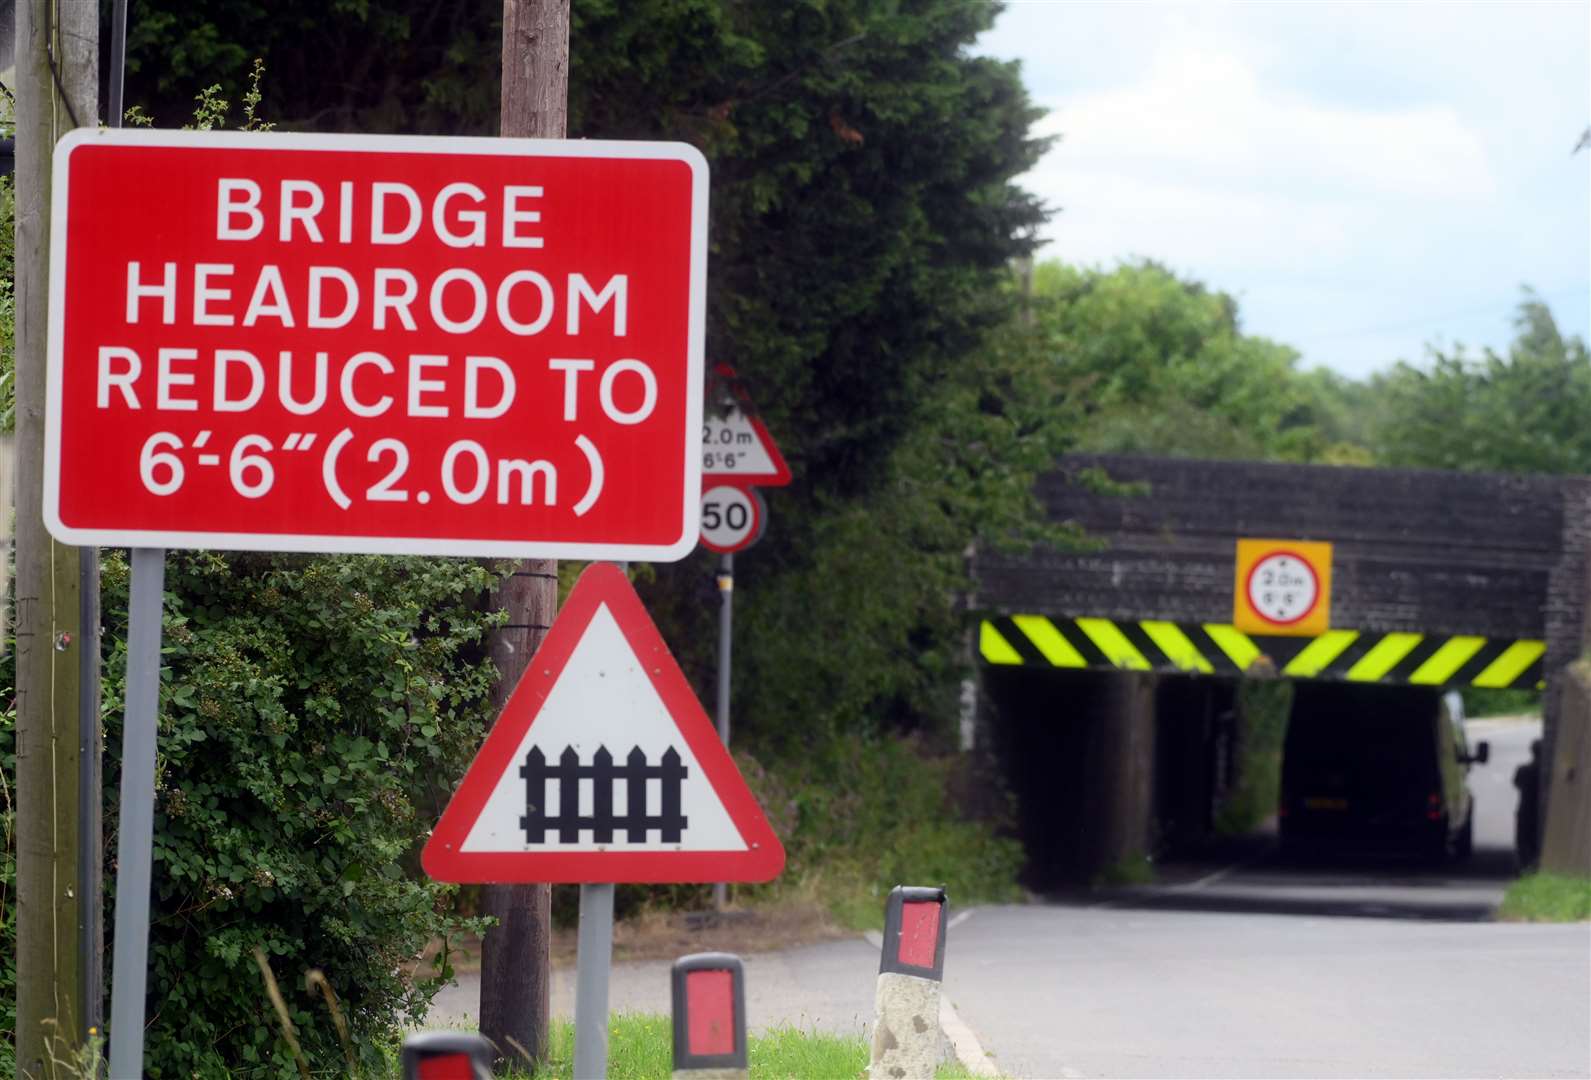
point(733, 518)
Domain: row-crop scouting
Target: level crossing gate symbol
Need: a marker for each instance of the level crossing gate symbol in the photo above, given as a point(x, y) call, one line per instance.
point(604, 777)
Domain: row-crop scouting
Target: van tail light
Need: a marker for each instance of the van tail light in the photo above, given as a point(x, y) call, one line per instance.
point(1433, 806)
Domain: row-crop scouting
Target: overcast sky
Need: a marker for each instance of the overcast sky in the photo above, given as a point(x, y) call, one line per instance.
point(1364, 177)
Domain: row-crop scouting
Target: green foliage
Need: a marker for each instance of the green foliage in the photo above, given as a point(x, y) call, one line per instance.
point(1520, 412)
point(865, 636)
point(1128, 870)
point(1548, 898)
point(1158, 364)
point(1501, 701)
point(209, 110)
point(211, 106)
point(313, 713)
point(859, 816)
point(346, 65)
point(1263, 709)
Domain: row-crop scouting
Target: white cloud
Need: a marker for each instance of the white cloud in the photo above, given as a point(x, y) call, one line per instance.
point(1203, 116)
point(1106, 215)
point(1364, 177)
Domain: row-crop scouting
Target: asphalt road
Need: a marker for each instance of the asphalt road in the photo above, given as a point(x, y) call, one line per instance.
point(824, 987)
point(1266, 968)
point(1242, 966)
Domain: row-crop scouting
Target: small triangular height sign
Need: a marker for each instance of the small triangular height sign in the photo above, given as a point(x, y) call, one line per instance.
point(736, 445)
point(603, 767)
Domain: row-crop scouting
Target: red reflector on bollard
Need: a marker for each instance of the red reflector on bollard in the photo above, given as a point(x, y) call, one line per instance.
point(914, 932)
point(919, 933)
point(447, 1067)
point(709, 994)
point(446, 1055)
point(710, 1025)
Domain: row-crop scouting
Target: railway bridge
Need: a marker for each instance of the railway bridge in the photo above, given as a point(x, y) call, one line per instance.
point(1110, 676)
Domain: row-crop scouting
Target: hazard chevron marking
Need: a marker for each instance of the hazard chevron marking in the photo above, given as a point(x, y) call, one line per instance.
point(1221, 649)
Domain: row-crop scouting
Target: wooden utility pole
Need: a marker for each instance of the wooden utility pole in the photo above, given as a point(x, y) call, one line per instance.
point(515, 960)
point(57, 88)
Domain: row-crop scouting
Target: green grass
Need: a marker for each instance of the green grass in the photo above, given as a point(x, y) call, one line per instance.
point(1128, 870)
point(640, 1047)
point(1548, 898)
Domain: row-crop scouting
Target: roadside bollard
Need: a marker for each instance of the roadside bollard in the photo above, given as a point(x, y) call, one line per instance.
point(709, 992)
point(911, 964)
point(447, 1055)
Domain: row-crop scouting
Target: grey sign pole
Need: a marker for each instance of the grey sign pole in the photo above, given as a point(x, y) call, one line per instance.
point(135, 830)
point(591, 982)
point(593, 964)
point(726, 609)
point(726, 621)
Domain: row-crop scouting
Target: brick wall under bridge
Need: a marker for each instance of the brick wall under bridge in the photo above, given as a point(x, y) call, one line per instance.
point(1440, 578)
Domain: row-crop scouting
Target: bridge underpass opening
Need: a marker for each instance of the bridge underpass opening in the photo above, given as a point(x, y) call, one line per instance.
point(1109, 767)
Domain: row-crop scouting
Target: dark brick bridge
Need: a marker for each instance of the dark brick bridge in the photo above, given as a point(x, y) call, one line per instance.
point(1438, 578)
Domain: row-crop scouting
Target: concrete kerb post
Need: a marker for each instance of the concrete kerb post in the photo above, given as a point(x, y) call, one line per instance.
point(910, 968)
point(709, 997)
point(447, 1055)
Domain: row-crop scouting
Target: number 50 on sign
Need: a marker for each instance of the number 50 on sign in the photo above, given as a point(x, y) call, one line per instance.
point(733, 518)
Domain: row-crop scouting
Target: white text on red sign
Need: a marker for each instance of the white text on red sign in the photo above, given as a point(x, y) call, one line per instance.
point(315, 343)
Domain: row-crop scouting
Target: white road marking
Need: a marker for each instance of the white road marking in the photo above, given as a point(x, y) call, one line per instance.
point(963, 1042)
point(968, 1050)
point(1211, 879)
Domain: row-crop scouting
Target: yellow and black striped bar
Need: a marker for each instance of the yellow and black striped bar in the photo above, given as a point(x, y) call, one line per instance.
point(1221, 649)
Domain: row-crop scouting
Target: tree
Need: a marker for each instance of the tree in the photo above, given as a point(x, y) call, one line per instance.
point(347, 65)
point(1159, 364)
point(1523, 411)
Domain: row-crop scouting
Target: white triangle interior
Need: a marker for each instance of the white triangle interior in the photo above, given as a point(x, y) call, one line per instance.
point(603, 698)
point(734, 433)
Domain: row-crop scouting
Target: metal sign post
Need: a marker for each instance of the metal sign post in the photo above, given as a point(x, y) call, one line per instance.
point(726, 619)
point(135, 830)
point(592, 966)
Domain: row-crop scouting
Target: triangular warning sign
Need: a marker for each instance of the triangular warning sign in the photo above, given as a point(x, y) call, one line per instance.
point(603, 767)
point(735, 443)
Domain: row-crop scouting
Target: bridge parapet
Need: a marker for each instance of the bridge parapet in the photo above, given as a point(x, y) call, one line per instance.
point(1438, 554)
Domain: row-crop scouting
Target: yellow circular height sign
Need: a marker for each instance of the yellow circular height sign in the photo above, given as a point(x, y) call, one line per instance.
point(1282, 587)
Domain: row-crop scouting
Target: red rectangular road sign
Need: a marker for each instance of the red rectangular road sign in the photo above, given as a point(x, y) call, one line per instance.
point(373, 343)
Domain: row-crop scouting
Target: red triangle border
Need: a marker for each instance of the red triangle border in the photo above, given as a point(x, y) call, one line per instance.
point(602, 584)
point(781, 471)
